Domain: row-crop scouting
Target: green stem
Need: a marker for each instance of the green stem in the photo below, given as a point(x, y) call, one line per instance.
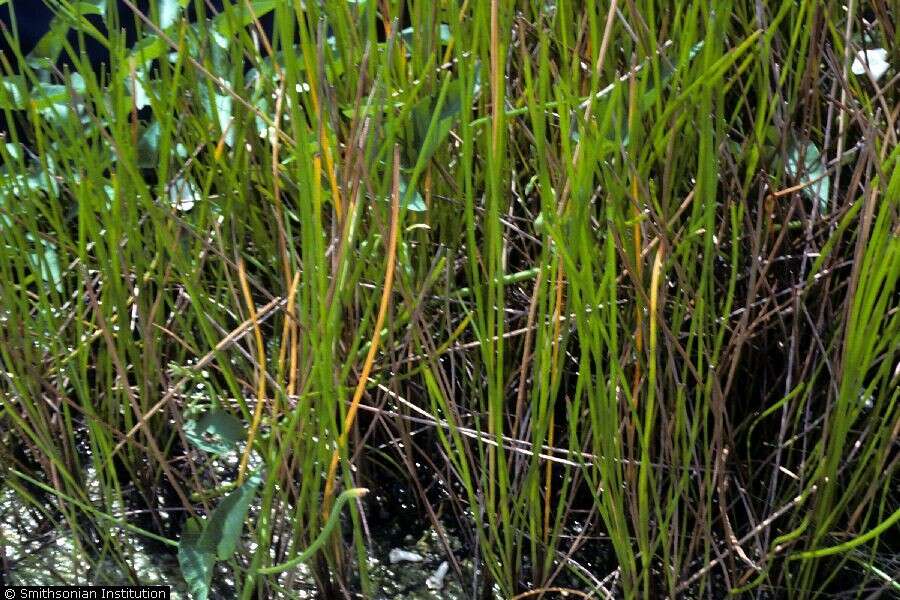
point(317, 543)
point(849, 545)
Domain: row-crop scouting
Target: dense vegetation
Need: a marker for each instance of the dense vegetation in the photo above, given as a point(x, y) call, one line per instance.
point(604, 291)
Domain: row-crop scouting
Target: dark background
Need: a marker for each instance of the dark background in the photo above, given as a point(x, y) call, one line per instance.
point(33, 19)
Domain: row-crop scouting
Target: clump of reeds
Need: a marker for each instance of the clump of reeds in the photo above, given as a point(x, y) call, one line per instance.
point(596, 279)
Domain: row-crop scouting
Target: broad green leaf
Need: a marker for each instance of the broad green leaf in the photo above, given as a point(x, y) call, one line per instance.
point(539, 223)
point(236, 17)
point(14, 151)
point(133, 72)
point(35, 178)
point(82, 8)
point(431, 143)
point(653, 93)
point(48, 94)
point(216, 432)
point(261, 127)
point(147, 49)
point(412, 200)
point(220, 56)
point(170, 11)
point(444, 34)
point(220, 40)
point(90, 7)
point(138, 87)
point(423, 113)
point(183, 194)
point(110, 194)
point(13, 92)
point(806, 164)
point(148, 147)
point(45, 261)
point(202, 542)
point(195, 560)
point(224, 113)
point(46, 52)
point(54, 101)
point(50, 271)
point(224, 526)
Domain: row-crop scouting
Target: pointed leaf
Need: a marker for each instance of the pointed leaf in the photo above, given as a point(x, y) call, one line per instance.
point(202, 542)
point(90, 7)
point(224, 526)
point(47, 50)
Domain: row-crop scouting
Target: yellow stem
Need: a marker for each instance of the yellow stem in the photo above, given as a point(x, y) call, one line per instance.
point(376, 337)
point(260, 372)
